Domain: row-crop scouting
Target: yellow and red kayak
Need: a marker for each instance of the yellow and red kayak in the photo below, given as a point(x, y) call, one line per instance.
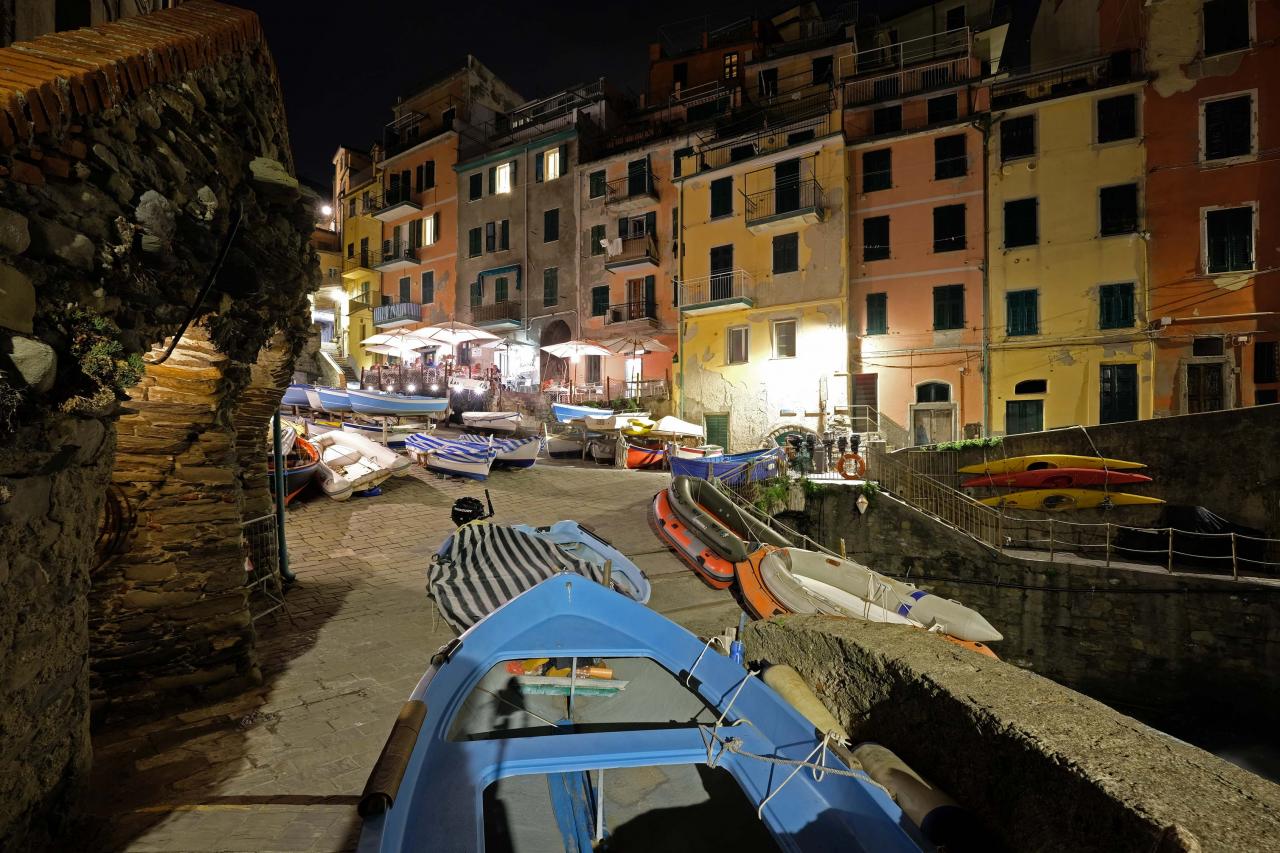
point(1014, 464)
point(1055, 500)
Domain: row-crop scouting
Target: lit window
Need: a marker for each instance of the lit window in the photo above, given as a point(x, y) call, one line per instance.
point(731, 66)
point(784, 338)
point(502, 178)
point(431, 229)
point(551, 164)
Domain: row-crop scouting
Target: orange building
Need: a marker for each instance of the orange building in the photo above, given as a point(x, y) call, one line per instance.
point(1212, 127)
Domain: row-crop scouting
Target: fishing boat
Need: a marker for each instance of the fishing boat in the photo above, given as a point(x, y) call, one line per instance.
point(697, 452)
point(611, 421)
point(604, 449)
point(1056, 478)
point(351, 463)
point(732, 469)
point(512, 743)
point(493, 421)
point(390, 435)
point(332, 400)
point(645, 457)
point(564, 412)
point(672, 427)
point(397, 405)
point(588, 545)
point(319, 426)
point(1057, 500)
point(565, 444)
point(512, 452)
point(1046, 460)
point(300, 463)
point(456, 458)
point(296, 395)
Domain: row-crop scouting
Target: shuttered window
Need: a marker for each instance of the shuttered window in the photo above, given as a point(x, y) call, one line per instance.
point(877, 313)
point(948, 307)
point(1115, 306)
point(717, 429)
point(1022, 308)
point(600, 300)
point(550, 287)
point(1228, 127)
point(428, 287)
point(721, 197)
point(877, 170)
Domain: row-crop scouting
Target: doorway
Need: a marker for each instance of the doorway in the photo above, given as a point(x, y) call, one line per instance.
point(786, 186)
point(1118, 392)
point(721, 272)
point(1205, 387)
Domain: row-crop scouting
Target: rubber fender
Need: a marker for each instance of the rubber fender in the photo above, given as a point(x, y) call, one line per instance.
point(941, 819)
point(792, 687)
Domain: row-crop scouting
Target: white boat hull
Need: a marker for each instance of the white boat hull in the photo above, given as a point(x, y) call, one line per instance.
point(496, 421)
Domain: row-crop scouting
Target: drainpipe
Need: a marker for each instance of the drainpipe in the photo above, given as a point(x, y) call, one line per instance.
point(679, 315)
point(577, 246)
point(286, 573)
point(984, 125)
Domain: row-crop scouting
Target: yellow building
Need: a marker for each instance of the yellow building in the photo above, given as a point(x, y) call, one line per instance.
point(357, 188)
point(1066, 259)
point(763, 277)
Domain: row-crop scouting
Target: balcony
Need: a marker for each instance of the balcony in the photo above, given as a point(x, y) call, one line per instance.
point(499, 315)
point(396, 257)
point(359, 265)
point(898, 56)
point(642, 312)
point(786, 205)
point(392, 204)
point(767, 141)
point(639, 254)
point(731, 290)
point(397, 314)
point(634, 191)
point(1118, 67)
point(911, 81)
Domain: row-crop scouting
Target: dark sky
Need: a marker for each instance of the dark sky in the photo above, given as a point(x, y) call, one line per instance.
point(343, 64)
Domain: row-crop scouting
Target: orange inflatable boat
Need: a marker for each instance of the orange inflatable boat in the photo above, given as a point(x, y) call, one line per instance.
point(714, 570)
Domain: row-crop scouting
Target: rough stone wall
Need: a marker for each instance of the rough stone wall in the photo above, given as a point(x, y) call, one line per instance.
point(127, 155)
point(1141, 638)
point(1042, 767)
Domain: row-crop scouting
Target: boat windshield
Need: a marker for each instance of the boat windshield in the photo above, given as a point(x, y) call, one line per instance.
point(541, 696)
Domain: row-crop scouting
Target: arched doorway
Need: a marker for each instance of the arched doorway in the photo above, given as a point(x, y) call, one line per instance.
point(550, 366)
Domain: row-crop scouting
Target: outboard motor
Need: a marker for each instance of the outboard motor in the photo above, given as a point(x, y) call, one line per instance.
point(466, 510)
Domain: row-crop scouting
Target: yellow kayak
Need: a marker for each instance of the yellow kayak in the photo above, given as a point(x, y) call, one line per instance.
point(1053, 500)
point(1014, 464)
point(638, 426)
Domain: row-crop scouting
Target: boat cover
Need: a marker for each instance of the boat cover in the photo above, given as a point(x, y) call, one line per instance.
point(676, 428)
point(487, 565)
point(452, 451)
point(502, 445)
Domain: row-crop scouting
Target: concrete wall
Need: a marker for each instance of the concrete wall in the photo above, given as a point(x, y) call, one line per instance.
point(1041, 767)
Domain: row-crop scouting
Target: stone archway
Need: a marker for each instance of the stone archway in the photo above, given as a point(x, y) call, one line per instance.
point(550, 366)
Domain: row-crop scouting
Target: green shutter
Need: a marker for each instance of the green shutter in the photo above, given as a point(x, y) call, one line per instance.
point(877, 313)
point(600, 300)
point(717, 428)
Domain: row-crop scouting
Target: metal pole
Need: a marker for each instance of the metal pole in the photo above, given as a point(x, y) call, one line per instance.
point(1108, 532)
point(600, 805)
point(1235, 572)
point(1170, 550)
point(281, 547)
point(1051, 539)
point(1000, 530)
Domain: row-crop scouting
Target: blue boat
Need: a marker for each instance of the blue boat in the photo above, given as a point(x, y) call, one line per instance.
point(734, 469)
point(493, 744)
point(455, 458)
point(399, 405)
point(333, 399)
point(296, 395)
point(512, 452)
point(587, 545)
point(565, 413)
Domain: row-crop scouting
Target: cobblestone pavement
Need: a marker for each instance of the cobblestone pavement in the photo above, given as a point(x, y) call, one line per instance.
point(281, 768)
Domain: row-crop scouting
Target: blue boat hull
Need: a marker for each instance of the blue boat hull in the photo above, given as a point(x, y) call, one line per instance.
point(580, 542)
point(296, 395)
point(373, 403)
point(565, 412)
point(334, 400)
point(734, 469)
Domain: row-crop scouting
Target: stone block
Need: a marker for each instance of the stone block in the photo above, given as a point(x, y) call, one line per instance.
point(35, 361)
point(17, 300)
point(14, 237)
point(141, 599)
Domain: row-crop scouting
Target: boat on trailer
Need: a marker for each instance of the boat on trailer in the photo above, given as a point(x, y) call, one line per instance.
point(455, 458)
point(512, 736)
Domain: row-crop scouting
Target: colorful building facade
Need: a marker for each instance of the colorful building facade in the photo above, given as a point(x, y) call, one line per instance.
point(356, 190)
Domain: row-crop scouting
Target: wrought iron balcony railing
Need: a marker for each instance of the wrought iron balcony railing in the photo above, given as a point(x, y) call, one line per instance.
point(638, 249)
point(642, 186)
point(719, 286)
point(498, 312)
point(793, 198)
point(397, 313)
point(626, 312)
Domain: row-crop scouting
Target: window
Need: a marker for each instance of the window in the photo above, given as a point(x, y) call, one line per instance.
point(1022, 312)
point(731, 65)
point(502, 178)
point(1229, 239)
point(500, 289)
point(1032, 386)
point(784, 338)
point(877, 170)
point(822, 68)
point(551, 164)
point(877, 313)
point(351, 250)
point(887, 120)
point(933, 392)
point(955, 18)
point(474, 242)
point(1265, 396)
point(717, 429)
point(948, 228)
point(721, 197)
point(1023, 416)
point(1207, 346)
point(742, 152)
point(431, 229)
point(593, 369)
point(597, 239)
point(504, 235)
point(1228, 127)
point(1117, 118)
point(1118, 209)
point(406, 289)
point(600, 300)
point(1020, 225)
point(351, 207)
point(424, 176)
point(875, 238)
point(1226, 26)
point(551, 225)
point(595, 184)
point(677, 157)
point(680, 74)
point(428, 287)
point(550, 287)
point(1266, 362)
point(786, 253)
point(477, 292)
point(949, 157)
point(768, 82)
point(476, 186)
point(491, 236)
point(1115, 306)
point(942, 108)
point(1117, 393)
point(948, 307)
point(1017, 138)
point(737, 340)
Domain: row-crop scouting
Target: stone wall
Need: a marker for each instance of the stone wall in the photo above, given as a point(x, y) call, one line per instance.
point(129, 156)
point(1138, 637)
point(1041, 767)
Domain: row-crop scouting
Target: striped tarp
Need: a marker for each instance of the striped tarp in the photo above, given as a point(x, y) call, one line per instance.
point(487, 565)
point(502, 445)
point(453, 451)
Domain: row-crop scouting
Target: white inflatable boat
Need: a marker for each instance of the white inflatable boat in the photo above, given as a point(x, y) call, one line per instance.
point(352, 463)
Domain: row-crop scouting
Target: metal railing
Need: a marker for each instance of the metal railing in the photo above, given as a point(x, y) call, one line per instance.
point(924, 493)
point(507, 310)
point(392, 253)
point(397, 312)
point(900, 55)
point(795, 197)
point(636, 389)
point(640, 186)
point(1091, 73)
point(359, 261)
point(776, 138)
point(732, 284)
point(910, 81)
point(390, 197)
point(625, 312)
point(636, 248)
point(423, 381)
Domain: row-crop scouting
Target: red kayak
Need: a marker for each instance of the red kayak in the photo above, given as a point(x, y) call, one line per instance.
point(1056, 478)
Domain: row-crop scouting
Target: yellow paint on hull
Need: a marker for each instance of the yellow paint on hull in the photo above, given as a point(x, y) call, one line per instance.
point(1053, 500)
point(1014, 464)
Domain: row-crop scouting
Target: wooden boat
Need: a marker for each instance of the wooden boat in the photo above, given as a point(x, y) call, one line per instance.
point(588, 545)
point(332, 400)
point(389, 435)
point(351, 463)
point(726, 528)
point(645, 457)
point(319, 426)
point(456, 458)
point(564, 412)
point(296, 395)
point(672, 427)
point(1056, 478)
point(472, 743)
point(300, 465)
point(512, 452)
point(713, 570)
point(612, 421)
point(1015, 464)
point(734, 468)
point(492, 421)
point(604, 449)
point(1055, 500)
point(699, 452)
point(397, 405)
point(564, 445)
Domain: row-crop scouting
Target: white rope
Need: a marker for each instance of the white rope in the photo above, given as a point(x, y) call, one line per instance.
point(820, 750)
point(689, 675)
point(734, 745)
point(727, 708)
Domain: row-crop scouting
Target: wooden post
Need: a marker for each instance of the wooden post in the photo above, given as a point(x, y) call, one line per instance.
point(1051, 539)
point(1170, 550)
point(1108, 532)
point(608, 572)
point(844, 555)
point(1235, 572)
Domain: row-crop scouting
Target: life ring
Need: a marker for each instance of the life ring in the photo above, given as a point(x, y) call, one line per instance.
point(860, 466)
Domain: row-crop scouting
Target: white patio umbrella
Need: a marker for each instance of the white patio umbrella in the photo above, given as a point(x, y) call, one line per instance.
point(634, 346)
point(574, 350)
point(403, 343)
point(454, 332)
